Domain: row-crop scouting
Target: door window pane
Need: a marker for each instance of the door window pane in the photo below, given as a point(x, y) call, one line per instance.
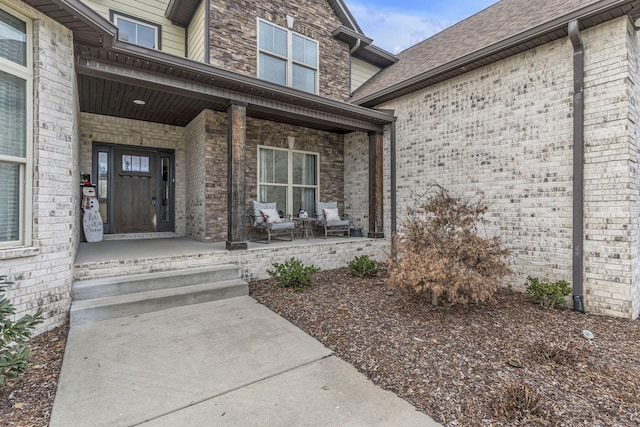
point(103, 185)
point(165, 188)
point(9, 202)
point(13, 115)
point(13, 39)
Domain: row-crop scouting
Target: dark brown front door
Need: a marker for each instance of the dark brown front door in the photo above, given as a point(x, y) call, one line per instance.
point(135, 194)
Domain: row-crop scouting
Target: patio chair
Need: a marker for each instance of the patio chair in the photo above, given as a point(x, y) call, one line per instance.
point(265, 217)
point(329, 219)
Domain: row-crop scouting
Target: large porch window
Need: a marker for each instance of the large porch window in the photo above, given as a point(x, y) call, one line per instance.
point(289, 178)
point(16, 88)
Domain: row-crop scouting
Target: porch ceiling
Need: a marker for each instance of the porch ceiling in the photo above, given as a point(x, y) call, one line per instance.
point(112, 73)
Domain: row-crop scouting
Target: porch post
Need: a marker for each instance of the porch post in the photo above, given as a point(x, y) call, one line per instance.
point(376, 226)
point(236, 140)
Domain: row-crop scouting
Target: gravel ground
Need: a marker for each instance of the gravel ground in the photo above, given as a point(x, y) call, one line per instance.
point(504, 363)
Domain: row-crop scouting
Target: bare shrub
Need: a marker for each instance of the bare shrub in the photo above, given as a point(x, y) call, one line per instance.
point(442, 254)
point(517, 402)
point(544, 352)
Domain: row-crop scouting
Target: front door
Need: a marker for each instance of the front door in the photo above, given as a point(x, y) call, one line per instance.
point(135, 188)
point(135, 193)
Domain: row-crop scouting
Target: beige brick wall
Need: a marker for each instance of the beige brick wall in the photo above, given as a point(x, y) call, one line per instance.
point(234, 41)
point(43, 273)
point(504, 133)
point(116, 130)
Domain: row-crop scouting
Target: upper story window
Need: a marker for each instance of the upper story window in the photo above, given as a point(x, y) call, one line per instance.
point(137, 31)
point(16, 104)
point(287, 58)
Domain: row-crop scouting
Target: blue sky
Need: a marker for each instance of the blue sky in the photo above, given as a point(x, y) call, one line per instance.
point(395, 26)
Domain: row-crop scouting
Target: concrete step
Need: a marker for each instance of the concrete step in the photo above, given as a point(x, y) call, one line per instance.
point(131, 304)
point(119, 285)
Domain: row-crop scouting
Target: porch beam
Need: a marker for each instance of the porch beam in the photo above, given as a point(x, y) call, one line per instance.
point(236, 141)
point(376, 225)
point(208, 92)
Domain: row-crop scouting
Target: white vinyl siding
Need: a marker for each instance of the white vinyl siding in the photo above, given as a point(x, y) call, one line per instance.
point(287, 58)
point(16, 106)
point(361, 72)
point(196, 35)
point(148, 10)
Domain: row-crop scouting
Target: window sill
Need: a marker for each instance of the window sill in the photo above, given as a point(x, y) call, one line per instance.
point(21, 252)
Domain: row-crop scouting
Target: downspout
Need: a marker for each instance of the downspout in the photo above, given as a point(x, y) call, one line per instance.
point(392, 158)
point(578, 165)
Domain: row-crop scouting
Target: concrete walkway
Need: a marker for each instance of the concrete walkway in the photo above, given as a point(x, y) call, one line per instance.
point(224, 363)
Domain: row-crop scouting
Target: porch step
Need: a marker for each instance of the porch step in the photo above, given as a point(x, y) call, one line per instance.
point(100, 299)
point(108, 286)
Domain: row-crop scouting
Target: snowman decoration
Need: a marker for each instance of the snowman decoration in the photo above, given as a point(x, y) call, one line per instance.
point(91, 221)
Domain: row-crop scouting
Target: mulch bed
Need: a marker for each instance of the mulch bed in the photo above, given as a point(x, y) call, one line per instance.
point(27, 400)
point(504, 363)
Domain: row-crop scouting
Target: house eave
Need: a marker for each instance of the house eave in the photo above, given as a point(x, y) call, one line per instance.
point(589, 16)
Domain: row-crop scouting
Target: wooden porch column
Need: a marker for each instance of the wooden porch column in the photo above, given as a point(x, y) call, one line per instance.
point(376, 229)
point(236, 186)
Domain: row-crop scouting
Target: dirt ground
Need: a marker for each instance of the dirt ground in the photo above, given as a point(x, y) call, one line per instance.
point(504, 363)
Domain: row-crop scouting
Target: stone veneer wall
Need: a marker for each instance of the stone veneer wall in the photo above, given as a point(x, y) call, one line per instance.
point(116, 130)
point(43, 272)
point(504, 133)
point(330, 147)
point(234, 38)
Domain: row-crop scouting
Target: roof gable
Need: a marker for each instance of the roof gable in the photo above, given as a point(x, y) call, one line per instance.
point(484, 37)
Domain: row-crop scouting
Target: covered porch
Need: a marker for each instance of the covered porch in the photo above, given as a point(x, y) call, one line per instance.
point(111, 258)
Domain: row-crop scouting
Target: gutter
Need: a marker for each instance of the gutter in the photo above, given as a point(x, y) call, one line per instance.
point(578, 165)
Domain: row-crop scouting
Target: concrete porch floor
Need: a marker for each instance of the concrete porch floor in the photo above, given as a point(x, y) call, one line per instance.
point(122, 257)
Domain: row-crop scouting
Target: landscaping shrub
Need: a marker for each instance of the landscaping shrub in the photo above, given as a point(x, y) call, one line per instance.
point(441, 253)
point(14, 356)
point(550, 295)
point(363, 266)
point(292, 274)
point(518, 401)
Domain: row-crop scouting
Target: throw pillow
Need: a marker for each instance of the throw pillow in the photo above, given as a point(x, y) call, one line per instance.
point(331, 214)
point(270, 216)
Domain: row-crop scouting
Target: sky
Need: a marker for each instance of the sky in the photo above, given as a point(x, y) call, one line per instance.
point(397, 25)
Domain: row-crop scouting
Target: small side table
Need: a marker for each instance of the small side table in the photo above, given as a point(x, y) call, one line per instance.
point(307, 225)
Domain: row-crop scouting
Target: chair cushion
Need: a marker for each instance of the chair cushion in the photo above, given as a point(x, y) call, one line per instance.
point(321, 206)
point(340, 223)
point(256, 210)
point(331, 214)
point(285, 225)
point(270, 215)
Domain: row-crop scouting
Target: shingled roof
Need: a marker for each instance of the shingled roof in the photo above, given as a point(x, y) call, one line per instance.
point(504, 29)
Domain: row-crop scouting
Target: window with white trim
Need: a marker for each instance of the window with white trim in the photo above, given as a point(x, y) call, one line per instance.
point(16, 89)
point(289, 178)
point(287, 58)
point(136, 31)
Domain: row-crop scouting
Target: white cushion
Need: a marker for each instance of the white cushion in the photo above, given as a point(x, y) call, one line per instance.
point(331, 214)
point(270, 216)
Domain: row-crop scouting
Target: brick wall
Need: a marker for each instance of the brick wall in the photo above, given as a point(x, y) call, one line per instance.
point(116, 130)
point(43, 273)
point(504, 133)
point(633, 45)
point(234, 41)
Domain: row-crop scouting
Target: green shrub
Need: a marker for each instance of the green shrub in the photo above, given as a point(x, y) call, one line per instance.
point(550, 294)
point(14, 356)
point(292, 274)
point(363, 266)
